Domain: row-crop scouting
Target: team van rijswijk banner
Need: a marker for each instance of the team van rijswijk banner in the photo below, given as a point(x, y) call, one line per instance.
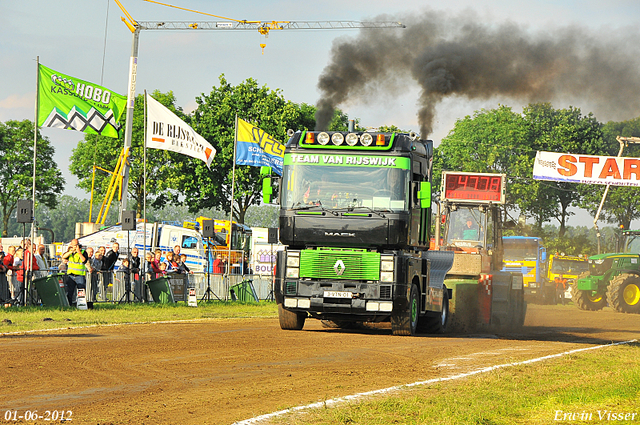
point(72, 104)
point(168, 132)
point(589, 169)
point(255, 147)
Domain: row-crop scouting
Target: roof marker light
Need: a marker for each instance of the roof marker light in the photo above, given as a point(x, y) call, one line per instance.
point(337, 138)
point(309, 138)
point(323, 138)
point(380, 140)
point(366, 139)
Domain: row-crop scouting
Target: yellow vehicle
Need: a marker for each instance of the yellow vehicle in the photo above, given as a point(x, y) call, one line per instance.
point(563, 271)
point(239, 237)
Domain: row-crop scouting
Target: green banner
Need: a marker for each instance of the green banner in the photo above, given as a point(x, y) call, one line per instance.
point(72, 104)
point(348, 160)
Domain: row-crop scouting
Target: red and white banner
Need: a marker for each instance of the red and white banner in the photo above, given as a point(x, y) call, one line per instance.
point(589, 169)
point(168, 132)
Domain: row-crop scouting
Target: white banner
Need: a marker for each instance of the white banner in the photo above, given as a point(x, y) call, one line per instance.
point(168, 132)
point(589, 169)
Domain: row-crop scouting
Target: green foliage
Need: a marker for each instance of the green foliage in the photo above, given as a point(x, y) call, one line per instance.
point(16, 169)
point(622, 204)
point(502, 141)
point(214, 119)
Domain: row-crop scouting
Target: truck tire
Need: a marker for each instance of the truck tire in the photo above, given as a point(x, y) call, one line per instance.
point(624, 293)
point(436, 323)
point(290, 320)
point(585, 301)
point(405, 322)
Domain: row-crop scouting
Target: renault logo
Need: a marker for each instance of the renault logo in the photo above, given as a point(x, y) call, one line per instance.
point(339, 267)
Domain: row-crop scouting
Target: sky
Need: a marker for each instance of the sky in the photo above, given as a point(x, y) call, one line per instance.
point(88, 40)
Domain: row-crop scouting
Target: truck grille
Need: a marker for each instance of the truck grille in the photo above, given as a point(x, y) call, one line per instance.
point(385, 292)
point(339, 263)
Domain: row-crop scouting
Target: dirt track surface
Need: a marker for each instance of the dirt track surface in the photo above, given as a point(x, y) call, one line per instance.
point(222, 371)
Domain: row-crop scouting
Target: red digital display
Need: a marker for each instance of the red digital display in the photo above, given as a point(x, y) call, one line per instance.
point(474, 187)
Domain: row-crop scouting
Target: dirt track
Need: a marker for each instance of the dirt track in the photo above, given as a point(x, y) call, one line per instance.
point(221, 371)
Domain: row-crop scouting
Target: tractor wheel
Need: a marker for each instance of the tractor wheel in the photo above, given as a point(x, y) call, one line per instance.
point(585, 300)
point(624, 293)
point(406, 322)
point(290, 320)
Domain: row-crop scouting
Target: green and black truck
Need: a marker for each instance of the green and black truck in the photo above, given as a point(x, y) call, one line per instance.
point(355, 216)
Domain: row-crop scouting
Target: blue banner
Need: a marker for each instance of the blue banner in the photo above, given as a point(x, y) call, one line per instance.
point(257, 148)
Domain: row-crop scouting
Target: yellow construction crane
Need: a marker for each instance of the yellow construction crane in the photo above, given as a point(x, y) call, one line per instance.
point(263, 27)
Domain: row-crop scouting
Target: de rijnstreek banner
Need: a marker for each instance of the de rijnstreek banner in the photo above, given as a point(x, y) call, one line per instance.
point(168, 132)
point(255, 147)
point(73, 104)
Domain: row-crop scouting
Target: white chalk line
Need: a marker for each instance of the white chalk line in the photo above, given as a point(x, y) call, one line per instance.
point(339, 400)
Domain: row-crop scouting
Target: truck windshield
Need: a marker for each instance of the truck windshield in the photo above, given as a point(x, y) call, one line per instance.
point(569, 266)
point(520, 249)
point(467, 227)
point(376, 188)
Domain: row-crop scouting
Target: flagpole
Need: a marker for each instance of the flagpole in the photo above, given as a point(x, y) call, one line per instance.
point(144, 194)
point(233, 179)
point(33, 195)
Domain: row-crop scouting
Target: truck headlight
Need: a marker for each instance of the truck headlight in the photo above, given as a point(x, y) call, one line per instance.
point(386, 276)
point(293, 265)
point(386, 263)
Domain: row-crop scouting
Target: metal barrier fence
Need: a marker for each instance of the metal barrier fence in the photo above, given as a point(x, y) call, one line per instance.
point(124, 287)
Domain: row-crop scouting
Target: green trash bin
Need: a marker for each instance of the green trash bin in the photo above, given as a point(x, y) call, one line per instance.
point(161, 290)
point(243, 291)
point(52, 291)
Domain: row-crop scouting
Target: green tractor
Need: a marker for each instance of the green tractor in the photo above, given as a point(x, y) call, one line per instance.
point(612, 278)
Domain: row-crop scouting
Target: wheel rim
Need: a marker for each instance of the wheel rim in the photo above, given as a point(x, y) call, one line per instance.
point(594, 298)
point(631, 294)
point(414, 311)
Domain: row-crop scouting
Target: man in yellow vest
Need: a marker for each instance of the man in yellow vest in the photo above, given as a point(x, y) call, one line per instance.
point(76, 269)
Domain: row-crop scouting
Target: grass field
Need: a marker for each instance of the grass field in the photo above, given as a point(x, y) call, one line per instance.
point(20, 319)
point(599, 386)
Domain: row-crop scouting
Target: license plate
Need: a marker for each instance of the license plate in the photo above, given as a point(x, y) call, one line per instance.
point(335, 294)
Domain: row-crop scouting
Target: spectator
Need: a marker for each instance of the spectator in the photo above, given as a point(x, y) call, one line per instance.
point(43, 263)
point(28, 263)
point(96, 275)
point(157, 260)
point(17, 265)
point(76, 272)
point(4, 284)
point(8, 264)
point(126, 276)
point(219, 265)
point(182, 265)
point(176, 252)
point(172, 267)
point(108, 264)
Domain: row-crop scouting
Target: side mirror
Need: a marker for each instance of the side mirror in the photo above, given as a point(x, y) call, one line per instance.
point(267, 190)
point(424, 194)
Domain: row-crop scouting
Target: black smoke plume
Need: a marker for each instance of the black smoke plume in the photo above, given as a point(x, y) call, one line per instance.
point(462, 56)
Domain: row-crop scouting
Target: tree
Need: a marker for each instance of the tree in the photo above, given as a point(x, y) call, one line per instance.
point(558, 130)
point(16, 169)
point(214, 119)
point(162, 182)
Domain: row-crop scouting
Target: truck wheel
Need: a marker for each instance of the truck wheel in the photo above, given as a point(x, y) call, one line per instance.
point(624, 293)
point(436, 323)
point(406, 322)
point(586, 301)
point(290, 320)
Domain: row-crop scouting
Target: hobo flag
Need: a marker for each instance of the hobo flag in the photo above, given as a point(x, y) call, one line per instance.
point(168, 132)
point(257, 148)
point(72, 104)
